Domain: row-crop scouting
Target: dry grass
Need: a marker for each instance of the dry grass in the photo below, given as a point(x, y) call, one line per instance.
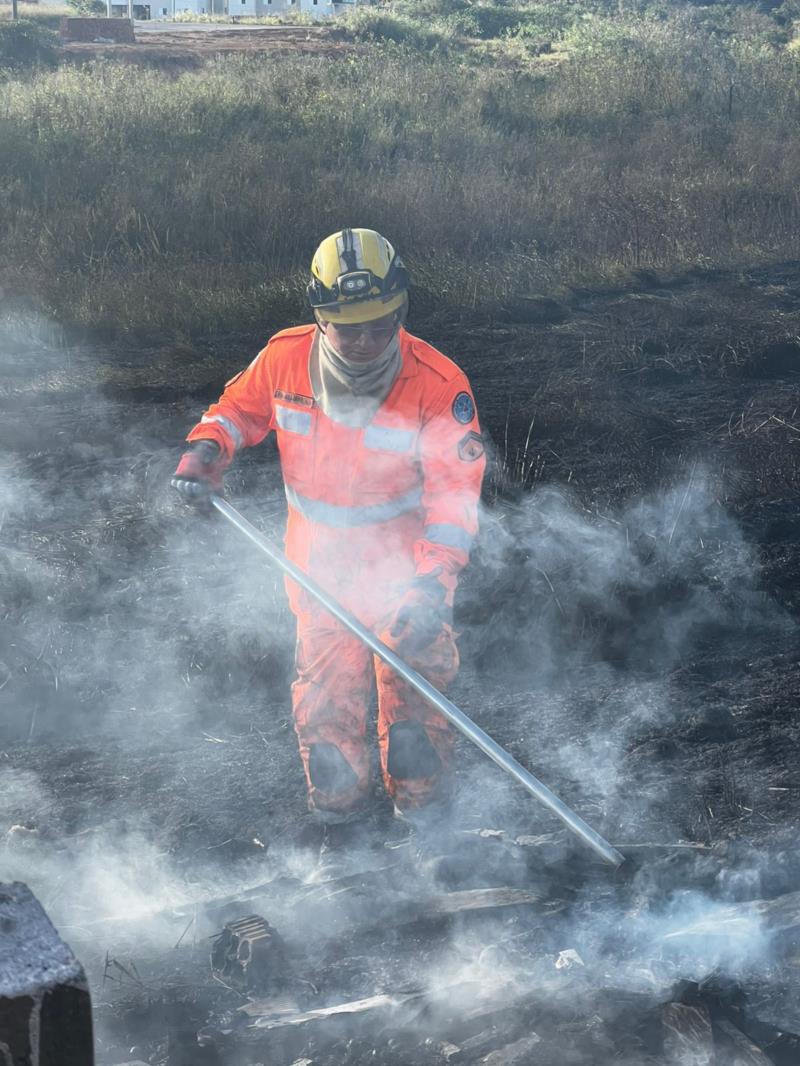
point(192, 204)
point(44, 14)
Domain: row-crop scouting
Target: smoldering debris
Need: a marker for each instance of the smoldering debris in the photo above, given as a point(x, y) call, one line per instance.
point(248, 954)
point(623, 653)
point(424, 977)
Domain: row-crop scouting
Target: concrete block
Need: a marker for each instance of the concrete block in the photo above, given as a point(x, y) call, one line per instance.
point(88, 30)
point(45, 1010)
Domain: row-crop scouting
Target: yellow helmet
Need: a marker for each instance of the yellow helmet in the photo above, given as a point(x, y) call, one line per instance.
point(356, 276)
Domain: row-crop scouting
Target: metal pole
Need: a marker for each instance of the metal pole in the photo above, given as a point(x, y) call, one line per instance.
point(425, 689)
point(14, 9)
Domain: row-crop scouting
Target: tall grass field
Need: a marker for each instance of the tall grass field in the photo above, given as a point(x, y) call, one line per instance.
point(135, 198)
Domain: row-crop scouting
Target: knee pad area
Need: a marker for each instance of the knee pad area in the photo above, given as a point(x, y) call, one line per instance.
point(329, 770)
point(411, 754)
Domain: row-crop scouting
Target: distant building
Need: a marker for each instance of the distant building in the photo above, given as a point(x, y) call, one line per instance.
point(167, 9)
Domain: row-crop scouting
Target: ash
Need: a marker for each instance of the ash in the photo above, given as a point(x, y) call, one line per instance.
point(628, 631)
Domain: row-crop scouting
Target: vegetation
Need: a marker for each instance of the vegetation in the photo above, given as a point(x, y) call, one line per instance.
point(190, 203)
point(87, 8)
point(24, 43)
point(43, 14)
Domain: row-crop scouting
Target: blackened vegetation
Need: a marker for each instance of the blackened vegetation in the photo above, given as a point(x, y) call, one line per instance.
point(628, 631)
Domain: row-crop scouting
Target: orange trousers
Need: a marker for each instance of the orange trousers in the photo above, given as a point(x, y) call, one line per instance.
point(331, 700)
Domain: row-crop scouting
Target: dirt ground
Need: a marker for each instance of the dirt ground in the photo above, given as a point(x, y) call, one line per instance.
point(629, 632)
point(185, 48)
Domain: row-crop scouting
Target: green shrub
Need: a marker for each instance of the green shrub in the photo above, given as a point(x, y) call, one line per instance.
point(24, 43)
point(485, 20)
point(87, 8)
point(378, 24)
point(428, 10)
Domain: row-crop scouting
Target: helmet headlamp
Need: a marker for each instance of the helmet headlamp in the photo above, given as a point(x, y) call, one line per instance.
point(356, 276)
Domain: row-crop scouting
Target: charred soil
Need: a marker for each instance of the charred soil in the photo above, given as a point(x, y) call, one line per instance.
point(628, 632)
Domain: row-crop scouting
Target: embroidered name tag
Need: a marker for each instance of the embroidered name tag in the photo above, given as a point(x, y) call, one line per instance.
point(294, 397)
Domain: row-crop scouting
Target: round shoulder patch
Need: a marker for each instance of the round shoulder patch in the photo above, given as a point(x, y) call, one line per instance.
point(463, 408)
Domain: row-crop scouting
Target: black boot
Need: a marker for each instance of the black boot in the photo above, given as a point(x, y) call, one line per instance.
point(430, 836)
point(341, 842)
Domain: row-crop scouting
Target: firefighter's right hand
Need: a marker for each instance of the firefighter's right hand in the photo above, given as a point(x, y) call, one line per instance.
point(199, 473)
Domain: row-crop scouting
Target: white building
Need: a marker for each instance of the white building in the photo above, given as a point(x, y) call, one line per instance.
point(167, 9)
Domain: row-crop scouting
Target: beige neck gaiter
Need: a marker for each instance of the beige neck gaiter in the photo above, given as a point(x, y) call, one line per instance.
point(347, 392)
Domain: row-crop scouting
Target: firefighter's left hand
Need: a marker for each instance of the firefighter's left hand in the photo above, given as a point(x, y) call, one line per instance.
point(421, 615)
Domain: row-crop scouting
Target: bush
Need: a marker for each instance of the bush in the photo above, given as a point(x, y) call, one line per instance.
point(27, 44)
point(485, 20)
point(488, 21)
point(378, 24)
point(88, 8)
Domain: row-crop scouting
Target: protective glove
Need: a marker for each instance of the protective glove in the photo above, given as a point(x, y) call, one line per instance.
point(199, 473)
point(421, 615)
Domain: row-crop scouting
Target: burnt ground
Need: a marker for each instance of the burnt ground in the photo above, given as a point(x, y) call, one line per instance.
point(628, 632)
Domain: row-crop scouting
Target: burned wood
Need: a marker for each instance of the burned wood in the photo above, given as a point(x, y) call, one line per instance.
point(382, 1004)
point(481, 1016)
point(484, 1044)
point(778, 915)
point(483, 1041)
point(477, 899)
point(514, 1054)
point(688, 1038)
point(738, 1049)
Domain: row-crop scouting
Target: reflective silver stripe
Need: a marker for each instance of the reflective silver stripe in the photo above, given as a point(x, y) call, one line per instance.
point(382, 438)
point(233, 430)
point(293, 421)
point(331, 514)
point(450, 536)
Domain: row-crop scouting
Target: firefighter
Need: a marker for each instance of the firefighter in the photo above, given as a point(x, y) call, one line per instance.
point(382, 461)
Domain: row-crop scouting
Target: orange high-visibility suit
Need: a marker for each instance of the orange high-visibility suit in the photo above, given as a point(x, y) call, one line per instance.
point(369, 510)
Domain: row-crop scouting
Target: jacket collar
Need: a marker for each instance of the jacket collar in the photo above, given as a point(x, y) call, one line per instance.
point(409, 367)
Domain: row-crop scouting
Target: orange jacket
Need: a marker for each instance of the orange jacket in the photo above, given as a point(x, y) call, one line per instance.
point(373, 505)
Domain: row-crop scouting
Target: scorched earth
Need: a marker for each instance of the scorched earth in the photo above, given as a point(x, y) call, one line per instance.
point(628, 630)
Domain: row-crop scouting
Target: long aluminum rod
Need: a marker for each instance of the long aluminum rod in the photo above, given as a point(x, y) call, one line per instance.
point(424, 688)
